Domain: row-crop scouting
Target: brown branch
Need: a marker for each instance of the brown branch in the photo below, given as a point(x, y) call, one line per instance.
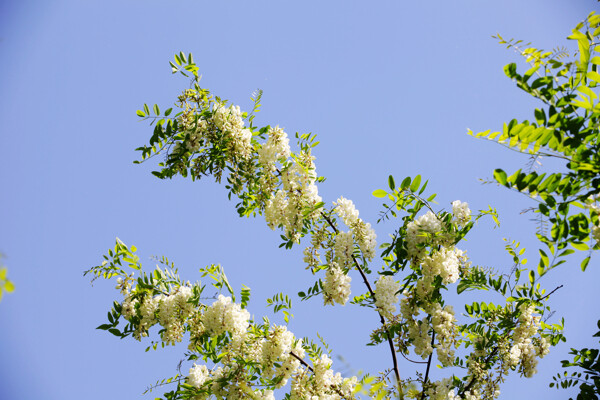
point(302, 361)
point(548, 295)
point(368, 285)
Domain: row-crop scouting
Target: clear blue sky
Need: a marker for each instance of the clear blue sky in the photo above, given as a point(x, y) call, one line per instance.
point(390, 87)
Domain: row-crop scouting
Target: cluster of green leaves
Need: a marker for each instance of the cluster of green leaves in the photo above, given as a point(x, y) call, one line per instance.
point(567, 128)
point(211, 349)
point(587, 360)
point(281, 302)
point(113, 262)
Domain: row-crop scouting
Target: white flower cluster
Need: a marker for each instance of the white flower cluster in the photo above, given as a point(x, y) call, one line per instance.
point(344, 248)
point(198, 375)
point(386, 295)
point(462, 213)
point(419, 231)
point(173, 310)
point(278, 344)
point(526, 348)
point(336, 287)
point(229, 120)
point(224, 316)
point(276, 149)
point(444, 262)
point(275, 354)
point(312, 256)
point(363, 232)
point(444, 326)
point(195, 134)
point(291, 205)
point(278, 358)
point(148, 310)
point(596, 233)
point(346, 211)
point(124, 285)
point(323, 384)
point(290, 364)
point(592, 204)
point(418, 331)
point(441, 390)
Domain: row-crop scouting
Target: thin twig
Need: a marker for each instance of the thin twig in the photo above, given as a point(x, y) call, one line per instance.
point(548, 295)
point(412, 361)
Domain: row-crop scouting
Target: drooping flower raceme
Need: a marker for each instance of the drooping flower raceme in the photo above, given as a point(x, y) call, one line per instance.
point(444, 326)
point(344, 248)
point(418, 231)
point(524, 351)
point(336, 287)
point(230, 121)
point(278, 344)
point(386, 296)
point(346, 211)
point(198, 375)
point(277, 149)
point(364, 234)
point(461, 211)
point(444, 262)
point(224, 316)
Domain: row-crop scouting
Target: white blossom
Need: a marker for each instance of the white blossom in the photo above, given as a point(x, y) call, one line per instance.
point(336, 287)
point(344, 248)
point(346, 211)
point(386, 295)
point(278, 344)
point(417, 232)
point(225, 316)
point(461, 211)
point(198, 375)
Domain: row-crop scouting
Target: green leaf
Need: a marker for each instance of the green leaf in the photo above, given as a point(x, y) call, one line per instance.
point(391, 183)
point(115, 332)
point(379, 193)
point(593, 75)
point(531, 277)
point(500, 176)
point(580, 246)
point(405, 183)
point(585, 263)
point(140, 113)
point(156, 110)
point(416, 183)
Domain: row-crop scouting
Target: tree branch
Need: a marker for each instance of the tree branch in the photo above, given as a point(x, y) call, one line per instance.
point(368, 285)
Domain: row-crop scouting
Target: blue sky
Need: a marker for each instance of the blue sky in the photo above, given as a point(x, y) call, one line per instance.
point(390, 87)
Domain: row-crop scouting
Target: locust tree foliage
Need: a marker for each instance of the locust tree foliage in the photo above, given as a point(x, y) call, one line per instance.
point(406, 282)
